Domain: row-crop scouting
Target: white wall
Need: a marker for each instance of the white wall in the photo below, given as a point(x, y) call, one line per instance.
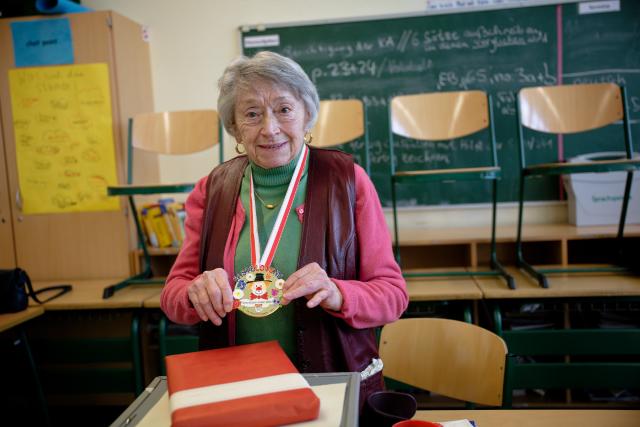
point(192, 41)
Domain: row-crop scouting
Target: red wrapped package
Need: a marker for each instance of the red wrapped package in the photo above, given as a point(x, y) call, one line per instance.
point(247, 385)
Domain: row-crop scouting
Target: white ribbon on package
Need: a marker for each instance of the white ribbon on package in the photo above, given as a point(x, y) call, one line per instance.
point(236, 390)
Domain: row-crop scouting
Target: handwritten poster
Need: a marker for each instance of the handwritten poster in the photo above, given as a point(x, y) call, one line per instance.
point(64, 138)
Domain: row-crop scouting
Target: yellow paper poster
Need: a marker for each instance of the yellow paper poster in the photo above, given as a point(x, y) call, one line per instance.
point(64, 138)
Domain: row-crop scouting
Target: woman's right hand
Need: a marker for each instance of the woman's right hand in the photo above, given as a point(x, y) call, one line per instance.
point(211, 296)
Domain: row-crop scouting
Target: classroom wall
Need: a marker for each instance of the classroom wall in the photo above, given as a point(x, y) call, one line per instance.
point(193, 40)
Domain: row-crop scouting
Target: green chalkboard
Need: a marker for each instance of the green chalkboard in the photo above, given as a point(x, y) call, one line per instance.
point(498, 51)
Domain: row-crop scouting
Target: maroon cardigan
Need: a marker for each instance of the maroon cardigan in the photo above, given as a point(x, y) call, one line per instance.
point(324, 343)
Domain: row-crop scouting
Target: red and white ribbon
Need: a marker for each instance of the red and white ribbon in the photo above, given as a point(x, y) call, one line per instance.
point(264, 260)
point(236, 390)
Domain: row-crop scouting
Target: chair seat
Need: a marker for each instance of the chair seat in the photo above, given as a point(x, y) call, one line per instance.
point(488, 172)
point(138, 190)
point(583, 167)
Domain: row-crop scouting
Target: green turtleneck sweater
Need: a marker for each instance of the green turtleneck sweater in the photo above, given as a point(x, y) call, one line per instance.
point(271, 185)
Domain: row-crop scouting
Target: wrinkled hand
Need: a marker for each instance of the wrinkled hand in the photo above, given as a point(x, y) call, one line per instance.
point(211, 296)
point(312, 282)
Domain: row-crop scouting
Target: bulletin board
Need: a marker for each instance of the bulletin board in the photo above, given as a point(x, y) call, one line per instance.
point(64, 138)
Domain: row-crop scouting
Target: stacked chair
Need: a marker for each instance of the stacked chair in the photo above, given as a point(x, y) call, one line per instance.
point(440, 117)
point(339, 122)
point(166, 133)
point(573, 109)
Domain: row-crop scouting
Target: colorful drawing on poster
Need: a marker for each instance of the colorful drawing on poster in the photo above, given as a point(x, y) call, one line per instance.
point(64, 138)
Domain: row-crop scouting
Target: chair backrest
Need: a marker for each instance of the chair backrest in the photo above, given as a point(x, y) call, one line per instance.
point(439, 116)
point(570, 108)
point(175, 132)
point(447, 357)
point(604, 359)
point(172, 133)
point(339, 121)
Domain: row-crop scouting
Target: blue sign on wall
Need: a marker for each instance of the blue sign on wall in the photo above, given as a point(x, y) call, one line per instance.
point(42, 42)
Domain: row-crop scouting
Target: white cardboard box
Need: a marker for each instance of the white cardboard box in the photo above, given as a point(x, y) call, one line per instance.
point(596, 198)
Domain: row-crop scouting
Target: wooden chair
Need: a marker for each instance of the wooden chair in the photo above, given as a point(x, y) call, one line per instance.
point(572, 109)
point(448, 357)
point(175, 343)
point(168, 133)
point(442, 117)
point(586, 359)
point(341, 121)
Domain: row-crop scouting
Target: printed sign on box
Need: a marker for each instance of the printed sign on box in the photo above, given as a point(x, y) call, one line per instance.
point(596, 198)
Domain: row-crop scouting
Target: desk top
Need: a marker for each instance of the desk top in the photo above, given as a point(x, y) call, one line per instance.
point(9, 320)
point(539, 417)
point(153, 301)
point(415, 235)
point(561, 285)
point(419, 289)
point(442, 289)
point(87, 294)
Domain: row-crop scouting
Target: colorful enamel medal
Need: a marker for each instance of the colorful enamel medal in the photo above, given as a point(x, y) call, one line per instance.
point(258, 292)
point(258, 288)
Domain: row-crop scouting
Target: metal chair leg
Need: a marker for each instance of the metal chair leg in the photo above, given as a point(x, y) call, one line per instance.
point(162, 343)
point(396, 244)
point(494, 263)
point(623, 216)
point(36, 378)
point(520, 262)
point(136, 353)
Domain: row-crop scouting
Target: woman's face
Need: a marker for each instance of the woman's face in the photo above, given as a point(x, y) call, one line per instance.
point(270, 124)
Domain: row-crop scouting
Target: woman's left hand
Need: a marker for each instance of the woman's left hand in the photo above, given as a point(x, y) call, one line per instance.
point(312, 282)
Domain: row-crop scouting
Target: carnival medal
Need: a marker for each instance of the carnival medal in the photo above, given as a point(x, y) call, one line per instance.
point(258, 288)
point(258, 292)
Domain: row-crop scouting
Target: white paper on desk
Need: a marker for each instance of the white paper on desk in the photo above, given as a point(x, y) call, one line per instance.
point(456, 423)
point(331, 400)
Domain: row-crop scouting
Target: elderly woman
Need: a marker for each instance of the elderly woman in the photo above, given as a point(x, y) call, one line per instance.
point(326, 277)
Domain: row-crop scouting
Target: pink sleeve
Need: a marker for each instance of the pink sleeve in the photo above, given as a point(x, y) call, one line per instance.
point(380, 296)
point(174, 299)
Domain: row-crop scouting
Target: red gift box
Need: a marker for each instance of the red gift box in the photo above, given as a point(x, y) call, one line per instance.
point(246, 385)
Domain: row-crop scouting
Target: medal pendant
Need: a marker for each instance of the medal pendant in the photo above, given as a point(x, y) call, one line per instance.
point(258, 291)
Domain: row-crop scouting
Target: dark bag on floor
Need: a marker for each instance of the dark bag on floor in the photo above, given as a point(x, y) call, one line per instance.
point(15, 290)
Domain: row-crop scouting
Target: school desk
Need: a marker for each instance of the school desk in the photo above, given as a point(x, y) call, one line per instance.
point(426, 294)
point(9, 321)
point(151, 408)
point(573, 333)
point(419, 290)
point(87, 295)
point(338, 394)
point(587, 285)
point(101, 336)
point(538, 417)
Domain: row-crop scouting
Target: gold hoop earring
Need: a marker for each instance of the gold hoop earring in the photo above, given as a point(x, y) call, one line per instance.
point(238, 149)
point(308, 137)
